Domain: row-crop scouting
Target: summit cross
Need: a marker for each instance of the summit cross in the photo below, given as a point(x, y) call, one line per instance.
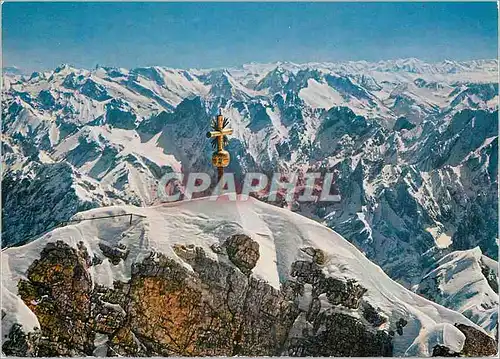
point(220, 157)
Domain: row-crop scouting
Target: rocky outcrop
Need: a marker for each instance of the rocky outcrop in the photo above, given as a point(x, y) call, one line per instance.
point(372, 315)
point(214, 308)
point(58, 291)
point(347, 293)
point(442, 351)
point(114, 254)
point(21, 344)
point(219, 308)
point(477, 343)
point(490, 275)
point(342, 335)
point(215, 311)
point(243, 252)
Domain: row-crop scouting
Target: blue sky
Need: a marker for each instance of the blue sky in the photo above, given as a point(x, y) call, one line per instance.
point(43, 35)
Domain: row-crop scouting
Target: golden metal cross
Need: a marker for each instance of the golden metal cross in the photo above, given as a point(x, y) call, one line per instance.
point(220, 158)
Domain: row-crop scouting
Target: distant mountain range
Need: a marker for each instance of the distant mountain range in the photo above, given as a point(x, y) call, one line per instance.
point(414, 147)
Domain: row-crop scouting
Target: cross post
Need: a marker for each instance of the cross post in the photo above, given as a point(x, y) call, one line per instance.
point(220, 157)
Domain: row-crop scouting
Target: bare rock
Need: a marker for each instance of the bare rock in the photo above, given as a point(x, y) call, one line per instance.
point(372, 316)
point(477, 343)
point(58, 290)
point(400, 324)
point(212, 309)
point(243, 252)
point(96, 260)
point(318, 255)
point(217, 248)
point(185, 252)
point(347, 293)
point(19, 343)
point(114, 254)
point(442, 351)
point(342, 335)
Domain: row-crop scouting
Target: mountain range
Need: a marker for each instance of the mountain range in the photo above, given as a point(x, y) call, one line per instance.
point(413, 145)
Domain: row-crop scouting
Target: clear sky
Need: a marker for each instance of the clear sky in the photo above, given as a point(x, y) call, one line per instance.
point(43, 35)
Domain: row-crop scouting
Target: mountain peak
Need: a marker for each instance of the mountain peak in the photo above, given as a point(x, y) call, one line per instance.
point(156, 245)
point(63, 67)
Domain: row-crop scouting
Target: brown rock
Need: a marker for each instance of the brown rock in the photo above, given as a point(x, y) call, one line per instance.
point(243, 251)
point(58, 291)
point(477, 343)
point(318, 256)
point(215, 309)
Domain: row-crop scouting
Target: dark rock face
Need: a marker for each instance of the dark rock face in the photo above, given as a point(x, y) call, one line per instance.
point(490, 276)
point(95, 91)
point(346, 293)
point(403, 124)
point(114, 254)
point(401, 323)
point(329, 333)
point(20, 344)
point(217, 309)
point(442, 351)
point(46, 99)
point(343, 336)
point(318, 256)
point(372, 316)
point(52, 183)
point(120, 115)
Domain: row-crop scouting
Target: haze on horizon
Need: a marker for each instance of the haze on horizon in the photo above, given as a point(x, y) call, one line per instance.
point(40, 36)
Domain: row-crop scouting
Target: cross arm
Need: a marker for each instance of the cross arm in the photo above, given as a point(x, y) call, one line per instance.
point(224, 132)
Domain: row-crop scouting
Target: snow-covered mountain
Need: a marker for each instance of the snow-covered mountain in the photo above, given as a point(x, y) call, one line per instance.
point(203, 278)
point(465, 281)
point(414, 147)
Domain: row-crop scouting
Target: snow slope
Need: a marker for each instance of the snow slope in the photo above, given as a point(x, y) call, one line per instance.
point(280, 234)
point(458, 282)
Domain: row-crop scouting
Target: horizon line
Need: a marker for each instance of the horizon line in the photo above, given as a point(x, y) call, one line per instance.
point(278, 62)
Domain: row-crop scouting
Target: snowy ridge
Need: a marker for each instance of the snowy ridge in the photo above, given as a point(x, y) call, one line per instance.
point(280, 234)
point(458, 282)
